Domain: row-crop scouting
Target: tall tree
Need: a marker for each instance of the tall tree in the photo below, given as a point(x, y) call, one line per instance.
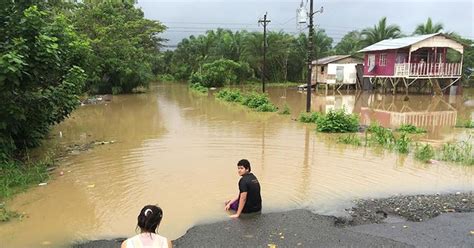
point(380, 32)
point(125, 45)
point(349, 44)
point(40, 74)
point(428, 28)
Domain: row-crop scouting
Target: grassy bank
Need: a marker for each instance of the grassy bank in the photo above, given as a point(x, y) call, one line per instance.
point(17, 176)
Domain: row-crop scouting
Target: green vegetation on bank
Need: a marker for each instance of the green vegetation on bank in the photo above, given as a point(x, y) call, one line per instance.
point(461, 152)
point(16, 176)
point(197, 87)
point(256, 101)
point(335, 121)
point(51, 52)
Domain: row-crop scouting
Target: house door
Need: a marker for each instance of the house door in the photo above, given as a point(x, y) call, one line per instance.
point(340, 74)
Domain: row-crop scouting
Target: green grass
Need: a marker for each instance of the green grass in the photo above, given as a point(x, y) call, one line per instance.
point(424, 152)
point(337, 121)
point(460, 152)
point(351, 139)
point(408, 128)
point(17, 176)
point(309, 117)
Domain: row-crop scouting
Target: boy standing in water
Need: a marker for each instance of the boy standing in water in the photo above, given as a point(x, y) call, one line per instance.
point(249, 199)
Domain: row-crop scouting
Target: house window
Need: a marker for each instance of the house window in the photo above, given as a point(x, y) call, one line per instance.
point(383, 59)
point(322, 69)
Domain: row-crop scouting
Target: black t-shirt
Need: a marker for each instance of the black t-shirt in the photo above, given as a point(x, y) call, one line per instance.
point(249, 183)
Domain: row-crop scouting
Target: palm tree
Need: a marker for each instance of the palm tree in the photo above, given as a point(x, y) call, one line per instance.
point(428, 27)
point(380, 32)
point(349, 44)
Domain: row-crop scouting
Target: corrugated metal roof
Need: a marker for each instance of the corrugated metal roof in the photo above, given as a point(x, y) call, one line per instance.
point(397, 43)
point(329, 59)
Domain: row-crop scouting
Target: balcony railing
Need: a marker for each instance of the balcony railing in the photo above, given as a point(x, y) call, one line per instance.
point(428, 69)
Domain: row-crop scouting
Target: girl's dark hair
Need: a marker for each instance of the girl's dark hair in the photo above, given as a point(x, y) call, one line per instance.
point(149, 218)
point(245, 163)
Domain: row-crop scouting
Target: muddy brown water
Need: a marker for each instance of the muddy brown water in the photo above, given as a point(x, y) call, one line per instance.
point(179, 150)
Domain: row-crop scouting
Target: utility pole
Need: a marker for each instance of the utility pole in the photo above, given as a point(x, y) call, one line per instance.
point(264, 21)
point(310, 57)
point(310, 54)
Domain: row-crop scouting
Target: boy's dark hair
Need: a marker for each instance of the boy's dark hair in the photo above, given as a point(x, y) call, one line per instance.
point(245, 163)
point(149, 218)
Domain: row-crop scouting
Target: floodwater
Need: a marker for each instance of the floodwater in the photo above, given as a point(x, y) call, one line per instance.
point(179, 150)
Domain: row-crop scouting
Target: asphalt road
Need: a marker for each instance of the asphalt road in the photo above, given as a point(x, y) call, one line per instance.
point(301, 228)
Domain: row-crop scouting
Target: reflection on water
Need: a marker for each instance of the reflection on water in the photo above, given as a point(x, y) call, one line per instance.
point(180, 150)
point(437, 114)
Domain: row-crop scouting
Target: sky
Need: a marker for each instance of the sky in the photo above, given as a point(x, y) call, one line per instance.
point(193, 17)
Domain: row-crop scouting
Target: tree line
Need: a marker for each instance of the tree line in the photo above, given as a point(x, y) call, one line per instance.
point(286, 53)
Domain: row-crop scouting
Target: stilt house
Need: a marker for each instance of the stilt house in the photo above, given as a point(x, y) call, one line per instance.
point(335, 70)
point(420, 60)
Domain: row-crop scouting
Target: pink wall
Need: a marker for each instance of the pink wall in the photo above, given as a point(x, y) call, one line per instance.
point(381, 70)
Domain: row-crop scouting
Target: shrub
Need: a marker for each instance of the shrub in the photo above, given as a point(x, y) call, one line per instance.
point(402, 144)
point(309, 117)
point(254, 100)
point(198, 88)
point(424, 153)
point(381, 136)
point(408, 128)
point(267, 107)
point(195, 78)
point(351, 139)
point(337, 121)
point(230, 95)
point(219, 73)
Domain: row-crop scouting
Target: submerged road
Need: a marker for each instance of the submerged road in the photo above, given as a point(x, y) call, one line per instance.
point(301, 228)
